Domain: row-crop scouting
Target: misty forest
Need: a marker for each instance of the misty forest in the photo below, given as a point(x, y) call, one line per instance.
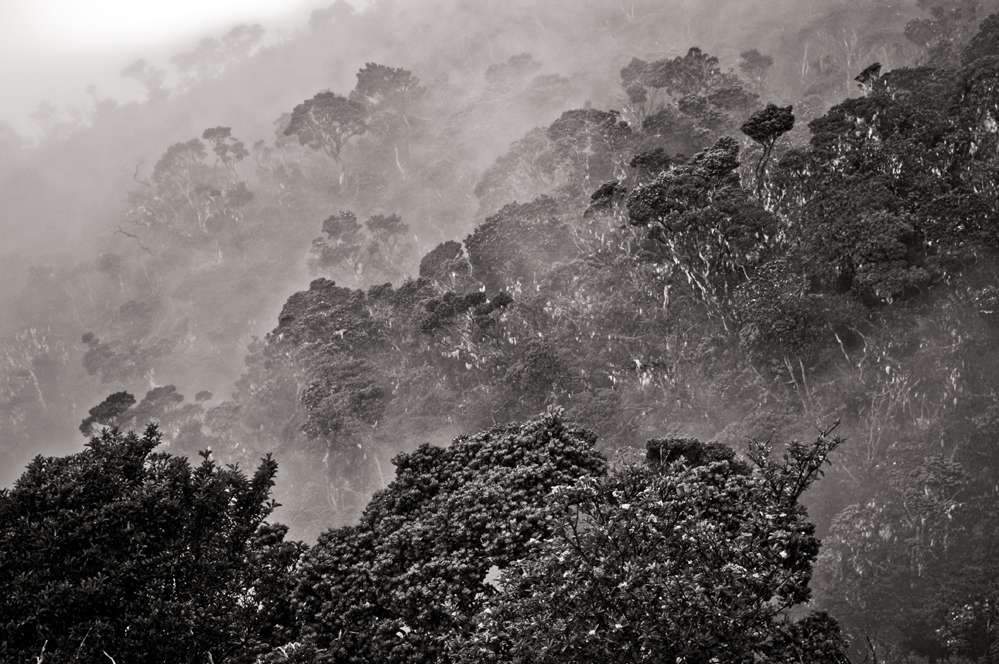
point(461, 331)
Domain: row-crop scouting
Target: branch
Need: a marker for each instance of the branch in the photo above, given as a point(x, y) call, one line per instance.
point(134, 237)
point(135, 176)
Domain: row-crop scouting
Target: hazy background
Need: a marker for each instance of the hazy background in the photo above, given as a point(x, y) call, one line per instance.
point(53, 50)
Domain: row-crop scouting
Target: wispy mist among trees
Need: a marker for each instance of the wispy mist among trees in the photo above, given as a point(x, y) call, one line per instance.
point(714, 282)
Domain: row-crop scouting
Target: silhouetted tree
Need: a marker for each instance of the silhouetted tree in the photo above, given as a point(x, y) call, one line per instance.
point(765, 127)
point(326, 122)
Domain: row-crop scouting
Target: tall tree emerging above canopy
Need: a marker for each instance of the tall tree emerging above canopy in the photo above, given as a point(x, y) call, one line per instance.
point(765, 127)
point(326, 122)
point(387, 93)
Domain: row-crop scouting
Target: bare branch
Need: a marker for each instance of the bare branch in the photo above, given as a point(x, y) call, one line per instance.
point(134, 237)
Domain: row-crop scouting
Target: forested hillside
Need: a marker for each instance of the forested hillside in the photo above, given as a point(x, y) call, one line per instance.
point(675, 261)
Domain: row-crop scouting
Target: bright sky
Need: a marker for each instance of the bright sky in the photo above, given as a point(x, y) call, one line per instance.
point(54, 49)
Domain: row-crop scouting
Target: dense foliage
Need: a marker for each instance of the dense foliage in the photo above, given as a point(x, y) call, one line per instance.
point(400, 584)
point(132, 554)
point(123, 552)
point(692, 556)
point(668, 225)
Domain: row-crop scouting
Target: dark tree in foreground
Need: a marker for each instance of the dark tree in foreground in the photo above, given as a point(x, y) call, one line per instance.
point(691, 557)
point(139, 555)
point(409, 576)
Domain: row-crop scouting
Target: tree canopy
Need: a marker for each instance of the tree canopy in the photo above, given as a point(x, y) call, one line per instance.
point(133, 553)
point(326, 122)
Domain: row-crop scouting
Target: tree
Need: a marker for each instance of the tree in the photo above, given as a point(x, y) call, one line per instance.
point(945, 32)
point(651, 85)
point(341, 251)
point(409, 577)
point(910, 567)
point(107, 413)
point(587, 144)
point(707, 226)
point(691, 557)
point(212, 57)
point(388, 233)
point(685, 103)
point(983, 43)
point(120, 552)
point(388, 94)
point(527, 170)
point(446, 264)
point(868, 78)
point(179, 424)
point(346, 252)
point(320, 385)
point(227, 149)
point(755, 65)
point(125, 360)
point(765, 127)
point(518, 244)
point(326, 122)
point(187, 196)
point(151, 78)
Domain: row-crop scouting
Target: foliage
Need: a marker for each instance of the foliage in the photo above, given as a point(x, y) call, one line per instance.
point(107, 412)
point(227, 149)
point(187, 197)
point(122, 361)
point(348, 253)
point(687, 101)
point(406, 579)
point(853, 279)
point(690, 559)
point(755, 66)
point(765, 127)
point(588, 143)
point(388, 94)
point(326, 122)
point(444, 263)
point(124, 551)
point(707, 225)
point(517, 244)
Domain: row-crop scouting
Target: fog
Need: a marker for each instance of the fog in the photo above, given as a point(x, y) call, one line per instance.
point(54, 51)
point(66, 190)
point(175, 229)
point(73, 256)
